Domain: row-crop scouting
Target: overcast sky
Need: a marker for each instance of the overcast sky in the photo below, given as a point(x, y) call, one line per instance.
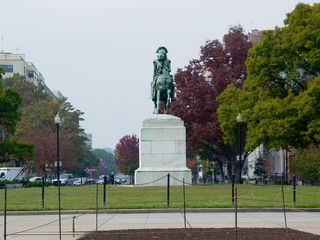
point(99, 53)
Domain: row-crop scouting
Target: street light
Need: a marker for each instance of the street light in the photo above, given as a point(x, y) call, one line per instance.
point(57, 121)
point(239, 126)
point(241, 139)
point(239, 118)
point(238, 152)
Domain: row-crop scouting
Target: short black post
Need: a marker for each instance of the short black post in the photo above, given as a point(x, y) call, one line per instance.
point(5, 214)
point(232, 189)
point(294, 189)
point(42, 192)
point(73, 226)
point(97, 191)
point(168, 190)
point(104, 190)
point(184, 204)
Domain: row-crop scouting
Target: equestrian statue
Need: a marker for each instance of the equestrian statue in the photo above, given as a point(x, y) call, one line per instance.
point(162, 86)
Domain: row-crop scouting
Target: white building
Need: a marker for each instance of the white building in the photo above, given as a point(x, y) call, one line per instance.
point(15, 63)
point(275, 161)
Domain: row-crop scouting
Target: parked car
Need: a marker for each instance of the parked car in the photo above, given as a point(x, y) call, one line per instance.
point(65, 179)
point(117, 181)
point(79, 181)
point(35, 179)
point(101, 179)
point(90, 181)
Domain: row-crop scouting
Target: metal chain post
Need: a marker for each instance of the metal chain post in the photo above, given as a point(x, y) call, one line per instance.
point(284, 204)
point(294, 189)
point(184, 204)
point(104, 190)
point(42, 192)
point(236, 211)
point(168, 190)
point(97, 190)
point(5, 214)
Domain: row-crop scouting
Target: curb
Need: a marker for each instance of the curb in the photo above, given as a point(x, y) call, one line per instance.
point(164, 210)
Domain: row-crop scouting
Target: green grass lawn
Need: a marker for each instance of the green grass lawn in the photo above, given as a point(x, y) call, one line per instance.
point(126, 197)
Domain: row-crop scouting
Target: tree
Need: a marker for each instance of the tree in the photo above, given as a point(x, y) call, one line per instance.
point(306, 163)
point(280, 98)
point(37, 127)
point(1, 72)
point(29, 92)
point(9, 117)
point(108, 157)
point(127, 154)
point(260, 168)
point(198, 86)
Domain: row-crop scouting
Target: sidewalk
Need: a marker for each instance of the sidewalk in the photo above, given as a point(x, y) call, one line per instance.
point(85, 222)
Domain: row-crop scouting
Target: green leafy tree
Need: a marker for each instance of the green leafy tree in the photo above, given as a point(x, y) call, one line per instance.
point(306, 163)
point(9, 117)
point(280, 98)
point(29, 92)
point(260, 168)
point(2, 71)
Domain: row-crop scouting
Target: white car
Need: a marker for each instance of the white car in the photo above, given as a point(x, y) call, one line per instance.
point(78, 181)
point(35, 179)
point(65, 179)
point(101, 179)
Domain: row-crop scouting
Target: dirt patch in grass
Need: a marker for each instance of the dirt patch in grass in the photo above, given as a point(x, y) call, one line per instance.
point(202, 233)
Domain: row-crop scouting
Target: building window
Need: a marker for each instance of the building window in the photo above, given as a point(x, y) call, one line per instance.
point(32, 74)
point(7, 68)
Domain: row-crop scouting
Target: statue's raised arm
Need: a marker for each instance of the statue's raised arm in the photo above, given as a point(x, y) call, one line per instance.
point(162, 87)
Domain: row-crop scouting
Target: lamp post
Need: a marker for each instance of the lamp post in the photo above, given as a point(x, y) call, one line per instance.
point(239, 147)
point(57, 121)
point(238, 152)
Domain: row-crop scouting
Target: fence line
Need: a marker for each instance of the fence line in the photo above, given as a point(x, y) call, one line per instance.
point(40, 226)
point(141, 184)
point(174, 201)
point(107, 220)
point(180, 180)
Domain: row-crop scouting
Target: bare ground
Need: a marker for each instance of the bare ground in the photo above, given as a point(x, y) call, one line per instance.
point(202, 233)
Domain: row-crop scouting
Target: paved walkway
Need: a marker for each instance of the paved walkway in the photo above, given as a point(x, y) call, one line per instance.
point(303, 221)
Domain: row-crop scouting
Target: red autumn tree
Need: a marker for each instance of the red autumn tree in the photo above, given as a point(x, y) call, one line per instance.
point(127, 154)
point(200, 83)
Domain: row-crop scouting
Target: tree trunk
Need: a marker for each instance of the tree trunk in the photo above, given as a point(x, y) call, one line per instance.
point(238, 170)
point(229, 169)
point(220, 164)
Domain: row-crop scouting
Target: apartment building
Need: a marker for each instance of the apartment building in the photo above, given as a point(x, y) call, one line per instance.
point(15, 63)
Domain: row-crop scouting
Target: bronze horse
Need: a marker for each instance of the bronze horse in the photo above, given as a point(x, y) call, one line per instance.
point(162, 86)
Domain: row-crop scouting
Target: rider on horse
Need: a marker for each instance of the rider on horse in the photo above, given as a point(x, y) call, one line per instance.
point(162, 69)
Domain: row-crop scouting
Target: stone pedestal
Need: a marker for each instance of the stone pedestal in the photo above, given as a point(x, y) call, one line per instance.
point(162, 151)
